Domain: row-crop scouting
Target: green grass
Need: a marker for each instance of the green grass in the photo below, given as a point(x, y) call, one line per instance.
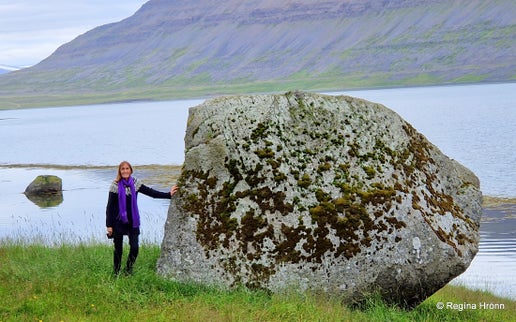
point(74, 283)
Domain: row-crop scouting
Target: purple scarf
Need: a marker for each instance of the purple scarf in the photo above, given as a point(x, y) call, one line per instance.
point(122, 184)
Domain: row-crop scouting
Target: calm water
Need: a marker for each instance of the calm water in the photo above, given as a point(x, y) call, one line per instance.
point(144, 133)
point(494, 266)
point(474, 124)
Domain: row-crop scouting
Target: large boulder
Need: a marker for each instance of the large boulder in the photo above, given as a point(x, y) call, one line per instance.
point(331, 194)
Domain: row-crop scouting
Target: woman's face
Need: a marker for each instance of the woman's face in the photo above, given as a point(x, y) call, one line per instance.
point(125, 171)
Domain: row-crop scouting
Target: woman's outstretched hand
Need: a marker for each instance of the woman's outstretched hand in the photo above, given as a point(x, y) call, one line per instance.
point(173, 190)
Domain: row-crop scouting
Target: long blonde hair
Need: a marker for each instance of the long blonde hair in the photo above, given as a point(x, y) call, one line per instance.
point(119, 174)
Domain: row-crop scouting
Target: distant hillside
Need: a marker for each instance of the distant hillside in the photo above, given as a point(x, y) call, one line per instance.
point(171, 49)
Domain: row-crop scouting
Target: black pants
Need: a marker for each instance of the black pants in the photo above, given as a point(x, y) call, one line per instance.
point(134, 246)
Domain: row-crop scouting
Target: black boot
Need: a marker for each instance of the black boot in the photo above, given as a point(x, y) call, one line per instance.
point(133, 253)
point(117, 254)
point(116, 266)
point(129, 266)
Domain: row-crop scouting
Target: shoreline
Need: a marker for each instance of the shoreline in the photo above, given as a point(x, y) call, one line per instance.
point(207, 92)
point(494, 202)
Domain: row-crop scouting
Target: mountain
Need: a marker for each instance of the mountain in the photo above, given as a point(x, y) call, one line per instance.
point(171, 49)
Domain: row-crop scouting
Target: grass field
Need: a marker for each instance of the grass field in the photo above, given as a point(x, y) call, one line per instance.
point(74, 283)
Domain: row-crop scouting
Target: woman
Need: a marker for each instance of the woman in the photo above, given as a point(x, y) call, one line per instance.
point(122, 216)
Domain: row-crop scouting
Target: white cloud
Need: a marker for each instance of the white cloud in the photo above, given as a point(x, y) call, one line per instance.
point(31, 30)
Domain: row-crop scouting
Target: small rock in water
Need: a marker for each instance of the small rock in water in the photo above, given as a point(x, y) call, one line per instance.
point(45, 191)
point(44, 185)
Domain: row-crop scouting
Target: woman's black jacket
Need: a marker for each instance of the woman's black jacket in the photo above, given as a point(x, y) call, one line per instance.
point(113, 211)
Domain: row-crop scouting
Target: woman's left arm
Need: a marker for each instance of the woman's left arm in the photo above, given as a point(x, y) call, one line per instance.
point(157, 194)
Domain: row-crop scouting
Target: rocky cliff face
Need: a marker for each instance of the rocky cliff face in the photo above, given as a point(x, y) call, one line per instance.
point(170, 46)
point(321, 193)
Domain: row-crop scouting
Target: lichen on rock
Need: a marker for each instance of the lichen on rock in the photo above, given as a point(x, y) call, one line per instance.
point(319, 192)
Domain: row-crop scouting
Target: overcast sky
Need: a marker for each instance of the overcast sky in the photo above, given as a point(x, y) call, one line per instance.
point(31, 30)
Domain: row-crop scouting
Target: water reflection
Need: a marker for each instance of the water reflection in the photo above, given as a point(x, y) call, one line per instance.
point(46, 200)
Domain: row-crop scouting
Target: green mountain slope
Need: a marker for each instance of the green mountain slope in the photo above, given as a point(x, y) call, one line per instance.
point(172, 49)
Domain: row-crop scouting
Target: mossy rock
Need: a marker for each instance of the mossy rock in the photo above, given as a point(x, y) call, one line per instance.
point(45, 185)
point(330, 194)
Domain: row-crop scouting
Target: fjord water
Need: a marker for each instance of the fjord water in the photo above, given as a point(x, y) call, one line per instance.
point(474, 124)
